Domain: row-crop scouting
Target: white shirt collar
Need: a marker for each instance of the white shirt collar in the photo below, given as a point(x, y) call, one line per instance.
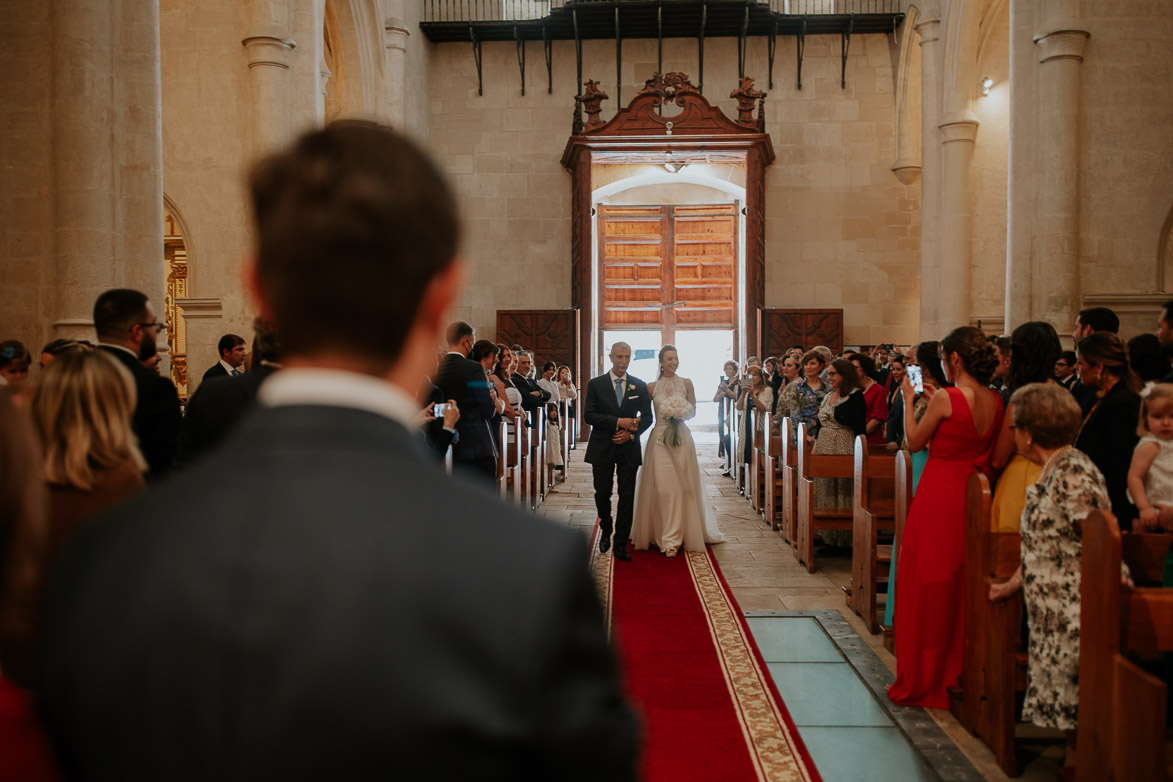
point(337, 388)
point(228, 367)
point(615, 377)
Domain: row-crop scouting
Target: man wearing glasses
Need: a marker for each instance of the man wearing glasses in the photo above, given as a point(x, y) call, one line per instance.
point(128, 331)
point(1065, 369)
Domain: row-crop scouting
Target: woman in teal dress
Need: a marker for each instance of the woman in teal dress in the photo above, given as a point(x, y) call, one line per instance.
point(933, 377)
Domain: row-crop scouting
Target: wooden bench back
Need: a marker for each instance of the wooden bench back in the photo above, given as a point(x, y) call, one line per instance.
point(1121, 707)
point(902, 499)
point(819, 465)
point(875, 475)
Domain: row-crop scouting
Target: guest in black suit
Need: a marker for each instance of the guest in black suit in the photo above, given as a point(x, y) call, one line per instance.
point(128, 331)
point(464, 380)
point(316, 599)
point(1089, 321)
point(533, 396)
point(1065, 369)
point(618, 410)
point(220, 403)
point(1109, 434)
point(232, 353)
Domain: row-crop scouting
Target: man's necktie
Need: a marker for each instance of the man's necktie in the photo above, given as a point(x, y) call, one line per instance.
point(236, 373)
point(619, 391)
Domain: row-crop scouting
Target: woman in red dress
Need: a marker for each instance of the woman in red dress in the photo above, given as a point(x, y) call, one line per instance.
point(960, 426)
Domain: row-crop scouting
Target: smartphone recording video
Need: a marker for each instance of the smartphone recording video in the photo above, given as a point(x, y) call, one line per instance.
point(914, 377)
point(439, 408)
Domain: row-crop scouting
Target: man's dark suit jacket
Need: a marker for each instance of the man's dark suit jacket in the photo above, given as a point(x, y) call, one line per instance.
point(437, 436)
point(156, 413)
point(317, 600)
point(216, 407)
point(530, 403)
point(464, 380)
point(1109, 437)
point(603, 414)
point(216, 370)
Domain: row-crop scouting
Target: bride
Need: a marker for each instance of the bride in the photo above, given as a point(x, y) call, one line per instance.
point(671, 510)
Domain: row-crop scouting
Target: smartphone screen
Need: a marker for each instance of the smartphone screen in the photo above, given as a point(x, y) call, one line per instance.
point(438, 409)
point(914, 377)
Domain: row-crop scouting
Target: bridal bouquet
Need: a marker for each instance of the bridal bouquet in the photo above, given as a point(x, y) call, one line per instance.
point(675, 409)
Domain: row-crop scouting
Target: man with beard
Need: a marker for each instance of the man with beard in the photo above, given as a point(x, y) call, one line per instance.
point(128, 331)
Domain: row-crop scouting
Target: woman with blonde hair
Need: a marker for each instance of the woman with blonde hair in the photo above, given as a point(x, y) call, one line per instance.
point(82, 408)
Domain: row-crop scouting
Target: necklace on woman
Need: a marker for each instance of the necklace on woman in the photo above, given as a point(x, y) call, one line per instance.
point(1050, 461)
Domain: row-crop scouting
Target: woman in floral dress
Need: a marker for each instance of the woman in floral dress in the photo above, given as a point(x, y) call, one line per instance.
point(804, 396)
point(1046, 423)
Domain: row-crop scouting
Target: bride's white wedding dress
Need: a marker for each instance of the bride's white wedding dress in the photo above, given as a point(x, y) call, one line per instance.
point(671, 509)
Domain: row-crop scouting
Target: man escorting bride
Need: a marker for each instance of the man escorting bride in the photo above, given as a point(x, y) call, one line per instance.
point(671, 509)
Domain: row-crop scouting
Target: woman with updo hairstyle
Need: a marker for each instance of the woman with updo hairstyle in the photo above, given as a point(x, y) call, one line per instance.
point(82, 408)
point(1108, 434)
point(1034, 349)
point(1046, 421)
point(959, 425)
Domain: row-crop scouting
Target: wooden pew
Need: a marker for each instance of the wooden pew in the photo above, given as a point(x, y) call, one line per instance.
point(873, 511)
point(994, 667)
point(502, 457)
point(790, 484)
point(537, 462)
point(511, 464)
point(901, 503)
point(757, 470)
point(735, 446)
point(1121, 707)
point(772, 475)
point(809, 517)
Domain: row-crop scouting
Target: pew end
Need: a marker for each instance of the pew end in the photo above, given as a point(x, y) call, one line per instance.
point(873, 512)
point(809, 517)
point(901, 502)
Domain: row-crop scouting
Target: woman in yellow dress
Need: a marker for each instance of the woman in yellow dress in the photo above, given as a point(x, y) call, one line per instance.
point(1034, 349)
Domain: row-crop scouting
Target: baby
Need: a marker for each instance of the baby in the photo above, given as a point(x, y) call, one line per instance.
point(1150, 477)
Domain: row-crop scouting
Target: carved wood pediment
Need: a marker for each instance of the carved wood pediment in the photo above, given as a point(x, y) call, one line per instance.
point(697, 117)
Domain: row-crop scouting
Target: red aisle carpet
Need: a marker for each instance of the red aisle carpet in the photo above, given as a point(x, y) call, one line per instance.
point(709, 708)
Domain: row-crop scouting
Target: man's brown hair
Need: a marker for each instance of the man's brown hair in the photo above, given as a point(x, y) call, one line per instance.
point(352, 223)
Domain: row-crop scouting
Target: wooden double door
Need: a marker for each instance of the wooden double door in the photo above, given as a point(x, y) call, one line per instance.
point(668, 267)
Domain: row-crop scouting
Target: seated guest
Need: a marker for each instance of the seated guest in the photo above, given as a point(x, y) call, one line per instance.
point(24, 751)
point(318, 602)
point(1147, 359)
point(1047, 420)
point(232, 352)
point(220, 403)
point(82, 408)
point(1034, 352)
point(1109, 433)
point(127, 331)
point(874, 397)
point(842, 416)
point(1065, 370)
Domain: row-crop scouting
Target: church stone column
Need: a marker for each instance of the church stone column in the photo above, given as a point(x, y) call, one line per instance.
point(930, 175)
point(269, 51)
point(107, 156)
point(1055, 287)
point(958, 136)
point(395, 35)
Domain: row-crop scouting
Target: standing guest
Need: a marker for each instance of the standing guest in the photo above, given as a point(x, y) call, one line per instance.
point(82, 409)
point(894, 428)
point(1002, 348)
point(128, 331)
point(774, 377)
point(1034, 352)
point(221, 403)
point(1108, 434)
point(1088, 322)
point(757, 399)
point(1065, 370)
point(503, 384)
point(568, 392)
point(549, 384)
point(961, 424)
point(728, 388)
point(533, 396)
point(1046, 420)
point(232, 352)
point(462, 379)
point(152, 361)
point(14, 363)
point(24, 750)
point(842, 416)
point(282, 612)
point(789, 373)
point(804, 396)
point(486, 353)
point(1165, 334)
point(873, 395)
point(1150, 476)
point(1147, 359)
point(57, 347)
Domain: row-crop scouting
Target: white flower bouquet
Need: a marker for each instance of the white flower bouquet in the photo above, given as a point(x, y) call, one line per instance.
point(675, 409)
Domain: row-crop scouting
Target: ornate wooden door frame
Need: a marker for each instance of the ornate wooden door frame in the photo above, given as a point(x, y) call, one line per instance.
point(639, 128)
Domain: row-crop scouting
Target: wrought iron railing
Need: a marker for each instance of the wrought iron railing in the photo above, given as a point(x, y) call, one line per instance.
point(529, 10)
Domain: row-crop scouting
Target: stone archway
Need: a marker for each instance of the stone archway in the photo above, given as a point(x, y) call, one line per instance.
point(696, 127)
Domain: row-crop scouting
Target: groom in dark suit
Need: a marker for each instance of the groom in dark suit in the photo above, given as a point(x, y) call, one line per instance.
point(618, 410)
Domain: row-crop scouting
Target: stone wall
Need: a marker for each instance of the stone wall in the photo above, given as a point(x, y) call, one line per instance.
point(841, 230)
